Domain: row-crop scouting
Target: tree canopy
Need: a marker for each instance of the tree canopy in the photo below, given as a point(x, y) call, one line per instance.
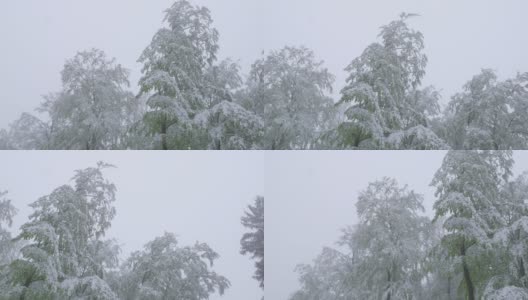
point(188, 98)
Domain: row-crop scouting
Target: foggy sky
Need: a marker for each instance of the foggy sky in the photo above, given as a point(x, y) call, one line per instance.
point(199, 196)
point(311, 196)
point(461, 37)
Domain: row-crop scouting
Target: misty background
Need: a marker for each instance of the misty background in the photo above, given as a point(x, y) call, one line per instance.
point(199, 196)
point(460, 37)
point(311, 196)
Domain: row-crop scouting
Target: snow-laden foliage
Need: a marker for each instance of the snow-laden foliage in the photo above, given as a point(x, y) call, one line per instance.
point(382, 97)
point(173, 68)
point(188, 100)
point(64, 255)
point(61, 253)
point(325, 279)
point(135, 132)
point(7, 212)
point(88, 113)
point(289, 90)
point(417, 138)
point(386, 250)
point(9, 249)
point(440, 277)
point(222, 81)
point(506, 293)
point(387, 242)
point(91, 285)
point(253, 242)
point(164, 270)
point(468, 187)
point(228, 124)
point(4, 140)
point(28, 132)
point(511, 242)
point(489, 114)
point(476, 248)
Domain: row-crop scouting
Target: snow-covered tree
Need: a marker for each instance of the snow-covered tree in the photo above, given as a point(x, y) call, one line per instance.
point(387, 248)
point(289, 89)
point(253, 242)
point(440, 279)
point(92, 111)
point(64, 255)
point(325, 279)
point(28, 132)
point(7, 212)
point(165, 270)
point(468, 187)
point(511, 242)
point(8, 248)
point(384, 106)
point(5, 143)
point(89, 112)
point(489, 114)
point(135, 132)
point(228, 125)
point(386, 244)
point(173, 71)
point(476, 248)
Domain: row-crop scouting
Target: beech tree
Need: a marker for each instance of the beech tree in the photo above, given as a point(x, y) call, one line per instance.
point(289, 89)
point(89, 111)
point(189, 100)
point(64, 255)
point(475, 248)
point(8, 249)
point(28, 132)
point(511, 244)
point(386, 249)
point(384, 107)
point(489, 114)
point(228, 124)
point(173, 70)
point(253, 242)
point(164, 270)
point(61, 252)
point(327, 278)
point(7, 212)
point(441, 280)
point(468, 189)
point(387, 242)
point(5, 143)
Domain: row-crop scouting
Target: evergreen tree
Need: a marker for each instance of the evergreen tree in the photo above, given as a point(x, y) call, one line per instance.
point(253, 242)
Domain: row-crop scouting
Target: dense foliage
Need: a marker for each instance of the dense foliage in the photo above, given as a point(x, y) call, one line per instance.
point(61, 252)
point(189, 100)
point(474, 248)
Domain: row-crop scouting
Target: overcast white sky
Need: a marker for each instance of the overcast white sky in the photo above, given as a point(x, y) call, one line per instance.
point(200, 196)
point(461, 36)
point(311, 196)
